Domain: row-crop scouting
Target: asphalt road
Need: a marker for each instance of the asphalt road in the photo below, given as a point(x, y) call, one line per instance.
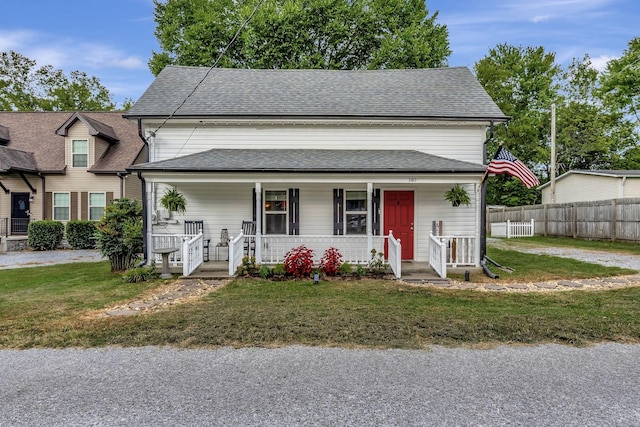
point(548, 385)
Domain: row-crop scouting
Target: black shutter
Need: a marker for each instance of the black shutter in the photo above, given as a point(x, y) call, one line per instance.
point(256, 210)
point(253, 201)
point(294, 211)
point(376, 212)
point(338, 212)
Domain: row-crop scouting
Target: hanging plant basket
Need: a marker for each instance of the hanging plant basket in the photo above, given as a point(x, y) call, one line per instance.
point(457, 196)
point(173, 200)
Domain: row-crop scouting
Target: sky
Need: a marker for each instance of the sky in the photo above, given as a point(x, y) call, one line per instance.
point(114, 39)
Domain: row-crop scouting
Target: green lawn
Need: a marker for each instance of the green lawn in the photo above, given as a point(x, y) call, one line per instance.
point(49, 307)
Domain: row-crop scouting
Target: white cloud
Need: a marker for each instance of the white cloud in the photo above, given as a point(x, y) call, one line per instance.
point(540, 18)
point(15, 40)
point(67, 53)
point(600, 63)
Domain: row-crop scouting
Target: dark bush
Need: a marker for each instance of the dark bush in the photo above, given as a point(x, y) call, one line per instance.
point(81, 234)
point(45, 235)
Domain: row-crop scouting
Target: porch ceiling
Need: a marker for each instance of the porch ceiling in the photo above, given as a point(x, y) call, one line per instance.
point(312, 161)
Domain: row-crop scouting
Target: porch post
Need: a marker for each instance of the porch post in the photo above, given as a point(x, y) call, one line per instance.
point(149, 223)
point(369, 217)
point(258, 252)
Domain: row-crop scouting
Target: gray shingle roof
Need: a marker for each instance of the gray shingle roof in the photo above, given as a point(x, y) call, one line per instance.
point(17, 160)
point(312, 161)
point(450, 93)
point(4, 134)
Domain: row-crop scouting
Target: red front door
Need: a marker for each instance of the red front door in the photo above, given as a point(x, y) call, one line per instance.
point(398, 217)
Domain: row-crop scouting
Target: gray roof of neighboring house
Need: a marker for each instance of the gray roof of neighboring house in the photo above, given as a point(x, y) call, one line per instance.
point(4, 134)
point(96, 128)
point(303, 160)
point(603, 172)
point(35, 132)
point(17, 160)
point(435, 93)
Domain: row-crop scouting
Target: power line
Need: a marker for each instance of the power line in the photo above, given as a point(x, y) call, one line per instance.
point(215, 63)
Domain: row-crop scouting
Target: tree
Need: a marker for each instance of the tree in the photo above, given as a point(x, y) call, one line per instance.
point(591, 134)
point(522, 82)
point(23, 87)
point(326, 34)
point(621, 82)
point(119, 233)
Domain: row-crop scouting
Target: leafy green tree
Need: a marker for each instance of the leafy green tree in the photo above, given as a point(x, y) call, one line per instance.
point(621, 82)
point(119, 233)
point(523, 83)
point(23, 87)
point(326, 34)
point(590, 134)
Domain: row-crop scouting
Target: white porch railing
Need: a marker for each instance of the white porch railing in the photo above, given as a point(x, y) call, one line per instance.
point(192, 250)
point(394, 257)
point(236, 253)
point(172, 241)
point(461, 250)
point(354, 249)
point(438, 255)
point(513, 229)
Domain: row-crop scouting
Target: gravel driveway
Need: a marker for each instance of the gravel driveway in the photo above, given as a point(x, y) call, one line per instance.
point(21, 259)
point(609, 259)
point(549, 385)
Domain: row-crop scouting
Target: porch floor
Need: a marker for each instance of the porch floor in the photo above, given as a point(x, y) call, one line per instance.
point(412, 271)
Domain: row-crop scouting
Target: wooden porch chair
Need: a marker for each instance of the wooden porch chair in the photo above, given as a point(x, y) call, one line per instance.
point(193, 228)
point(249, 229)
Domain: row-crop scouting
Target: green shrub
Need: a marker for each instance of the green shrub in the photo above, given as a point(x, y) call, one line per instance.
point(119, 233)
point(45, 235)
point(278, 270)
point(377, 264)
point(141, 274)
point(345, 269)
point(248, 268)
point(81, 234)
point(265, 272)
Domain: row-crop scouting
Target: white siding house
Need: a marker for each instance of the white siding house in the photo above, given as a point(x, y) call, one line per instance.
point(317, 157)
point(588, 185)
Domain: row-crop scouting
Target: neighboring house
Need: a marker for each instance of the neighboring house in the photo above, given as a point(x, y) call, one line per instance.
point(64, 166)
point(591, 185)
point(317, 157)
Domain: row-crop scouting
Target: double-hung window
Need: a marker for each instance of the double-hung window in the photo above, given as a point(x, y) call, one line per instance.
point(97, 203)
point(61, 206)
point(356, 212)
point(80, 153)
point(275, 211)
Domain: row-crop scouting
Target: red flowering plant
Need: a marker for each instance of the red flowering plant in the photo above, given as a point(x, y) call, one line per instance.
point(331, 261)
point(298, 262)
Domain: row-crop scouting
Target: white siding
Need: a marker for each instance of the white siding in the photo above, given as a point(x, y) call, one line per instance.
point(580, 187)
point(451, 141)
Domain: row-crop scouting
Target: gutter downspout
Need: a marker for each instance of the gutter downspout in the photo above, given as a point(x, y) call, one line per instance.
point(483, 199)
point(145, 223)
point(122, 176)
point(44, 197)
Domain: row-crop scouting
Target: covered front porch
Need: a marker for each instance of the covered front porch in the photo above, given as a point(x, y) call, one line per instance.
point(353, 200)
point(446, 252)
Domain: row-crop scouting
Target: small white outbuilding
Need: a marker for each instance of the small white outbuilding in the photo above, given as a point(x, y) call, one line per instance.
point(591, 185)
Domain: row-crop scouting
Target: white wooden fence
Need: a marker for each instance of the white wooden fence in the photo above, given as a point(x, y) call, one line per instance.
point(394, 257)
point(511, 229)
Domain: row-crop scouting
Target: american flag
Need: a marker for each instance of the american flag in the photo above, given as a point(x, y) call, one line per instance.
point(505, 162)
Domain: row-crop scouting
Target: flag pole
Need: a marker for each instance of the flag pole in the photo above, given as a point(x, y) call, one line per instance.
point(486, 172)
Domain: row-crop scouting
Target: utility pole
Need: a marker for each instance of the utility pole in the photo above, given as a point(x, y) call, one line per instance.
point(553, 153)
